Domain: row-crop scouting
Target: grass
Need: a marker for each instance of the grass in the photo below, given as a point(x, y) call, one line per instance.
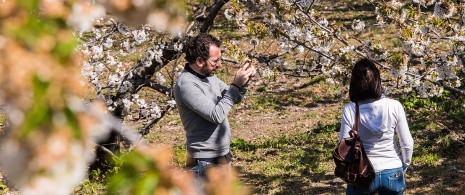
point(285, 160)
point(297, 160)
point(276, 164)
point(89, 186)
point(282, 139)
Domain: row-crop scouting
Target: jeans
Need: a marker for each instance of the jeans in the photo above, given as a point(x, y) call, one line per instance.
point(390, 181)
point(199, 172)
point(200, 168)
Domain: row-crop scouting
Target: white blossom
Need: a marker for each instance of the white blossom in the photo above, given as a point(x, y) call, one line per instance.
point(141, 103)
point(112, 60)
point(125, 86)
point(330, 80)
point(108, 43)
point(346, 49)
point(146, 63)
point(127, 104)
point(380, 20)
point(114, 79)
point(150, 54)
point(81, 16)
point(227, 15)
point(456, 83)
point(139, 35)
point(424, 2)
point(458, 38)
point(97, 51)
point(300, 49)
point(267, 73)
point(86, 69)
point(444, 10)
point(323, 22)
point(160, 77)
point(178, 46)
point(127, 45)
point(396, 5)
point(415, 48)
point(155, 111)
point(171, 102)
point(400, 71)
point(306, 3)
point(358, 25)
point(422, 90)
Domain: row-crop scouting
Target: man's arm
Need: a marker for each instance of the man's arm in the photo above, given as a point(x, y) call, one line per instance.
point(242, 78)
point(194, 97)
point(242, 91)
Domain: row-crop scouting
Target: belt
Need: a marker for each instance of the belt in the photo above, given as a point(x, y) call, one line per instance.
point(220, 160)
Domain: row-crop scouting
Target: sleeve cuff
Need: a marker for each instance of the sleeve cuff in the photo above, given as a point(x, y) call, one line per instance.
point(233, 94)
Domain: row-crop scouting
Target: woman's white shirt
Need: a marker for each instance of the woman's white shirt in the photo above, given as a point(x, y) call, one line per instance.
point(379, 122)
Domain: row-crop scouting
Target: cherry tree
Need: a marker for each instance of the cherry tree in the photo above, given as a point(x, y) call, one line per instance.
point(51, 133)
point(132, 50)
point(130, 57)
point(296, 29)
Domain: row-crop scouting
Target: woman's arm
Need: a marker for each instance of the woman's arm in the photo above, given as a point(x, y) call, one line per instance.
point(405, 138)
point(347, 123)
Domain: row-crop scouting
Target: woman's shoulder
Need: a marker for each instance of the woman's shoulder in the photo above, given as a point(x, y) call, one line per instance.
point(390, 102)
point(349, 107)
point(383, 101)
point(350, 104)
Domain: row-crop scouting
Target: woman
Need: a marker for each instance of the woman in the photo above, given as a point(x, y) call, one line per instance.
point(380, 119)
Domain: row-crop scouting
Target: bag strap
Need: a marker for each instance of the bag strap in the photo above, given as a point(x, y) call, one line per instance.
point(357, 116)
point(354, 133)
point(356, 137)
point(357, 119)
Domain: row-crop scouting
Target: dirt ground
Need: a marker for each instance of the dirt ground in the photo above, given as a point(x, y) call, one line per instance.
point(266, 121)
point(250, 125)
point(253, 124)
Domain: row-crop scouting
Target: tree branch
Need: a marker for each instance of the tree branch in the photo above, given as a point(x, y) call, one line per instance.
point(266, 58)
point(145, 129)
point(154, 85)
point(452, 89)
point(107, 151)
point(208, 23)
point(141, 73)
point(303, 44)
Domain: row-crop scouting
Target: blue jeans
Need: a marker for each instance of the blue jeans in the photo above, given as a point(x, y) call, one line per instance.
point(200, 177)
point(200, 169)
point(390, 181)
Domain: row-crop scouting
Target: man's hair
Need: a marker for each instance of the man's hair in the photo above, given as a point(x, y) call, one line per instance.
point(365, 82)
point(199, 46)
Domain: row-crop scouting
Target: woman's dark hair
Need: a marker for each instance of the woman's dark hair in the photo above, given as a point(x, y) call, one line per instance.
point(365, 82)
point(199, 46)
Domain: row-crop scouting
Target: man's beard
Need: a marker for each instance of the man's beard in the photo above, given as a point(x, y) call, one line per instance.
point(206, 72)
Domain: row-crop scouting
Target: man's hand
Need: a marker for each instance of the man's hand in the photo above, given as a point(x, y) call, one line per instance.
point(244, 74)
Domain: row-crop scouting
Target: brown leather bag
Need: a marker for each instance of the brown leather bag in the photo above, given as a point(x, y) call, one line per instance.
point(352, 163)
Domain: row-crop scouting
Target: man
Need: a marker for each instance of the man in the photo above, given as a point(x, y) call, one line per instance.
point(204, 102)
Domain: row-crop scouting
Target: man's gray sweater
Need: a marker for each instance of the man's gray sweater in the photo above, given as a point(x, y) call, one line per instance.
point(203, 104)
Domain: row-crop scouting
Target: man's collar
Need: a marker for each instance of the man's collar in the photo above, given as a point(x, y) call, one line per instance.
point(189, 69)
